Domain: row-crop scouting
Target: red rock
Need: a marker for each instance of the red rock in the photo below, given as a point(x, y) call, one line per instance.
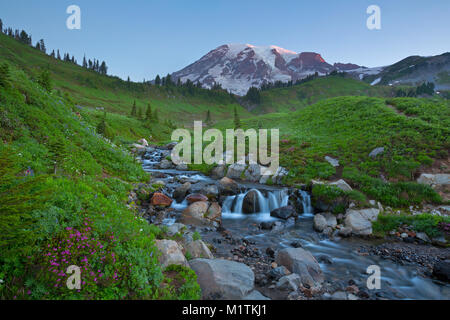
point(195, 197)
point(159, 199)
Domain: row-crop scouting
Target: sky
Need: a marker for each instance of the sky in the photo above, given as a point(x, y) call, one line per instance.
point(143, 38)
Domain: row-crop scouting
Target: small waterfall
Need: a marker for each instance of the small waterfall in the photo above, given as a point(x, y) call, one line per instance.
point(306, 202)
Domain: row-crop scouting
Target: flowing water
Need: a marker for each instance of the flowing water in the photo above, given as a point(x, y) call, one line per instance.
point(343, 260)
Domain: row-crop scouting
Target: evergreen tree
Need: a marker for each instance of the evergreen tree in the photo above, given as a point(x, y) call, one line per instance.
point(148, 113)
point(1, 26)
point(52, 54)
point(58, 55)
point(253, 95)
point(157, 80)
point(4, 75)
point(155, 115)
point(103, 68)
point(133, 110)
point(45, 80)
point(237, 121)
point(139, 113)
point(42, 45)
point(85, 65)
point(208, 117)
point(168, 80)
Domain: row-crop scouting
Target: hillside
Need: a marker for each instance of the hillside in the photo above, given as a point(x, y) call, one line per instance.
point(304, 94)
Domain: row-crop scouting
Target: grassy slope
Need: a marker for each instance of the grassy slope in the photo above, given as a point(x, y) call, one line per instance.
point(348, 128)
point(302, 95)
point(42, 211)
point(91, 90)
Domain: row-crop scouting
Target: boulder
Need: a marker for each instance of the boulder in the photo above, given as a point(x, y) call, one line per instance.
point(345, 231)
point(341, 184)
point(198, 249)
point(195, 197)
point(143, 142)
point(235, 170)
point(360, 221)
point(180, 193)
point(214, 213)
point(171, 253)
point(195, 212)
point(253, 173)
point(284, 212)
point(441, 270)
point(219, 171)
point(228, 186)
point(279, 175)
point(290, 282)
point(332, 161)
point(211, 191)
point(250, 203)
point(222, 279)
point(331, 219)
point(160, 199)
point(175, 228)
point(165, 164)
point(255, 295)
point(181, 167)
point(375, 152)
point(320, 223)
point(301, 262)
point(278, 272)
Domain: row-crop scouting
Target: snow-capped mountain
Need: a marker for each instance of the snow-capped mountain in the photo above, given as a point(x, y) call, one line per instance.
point(237, 67)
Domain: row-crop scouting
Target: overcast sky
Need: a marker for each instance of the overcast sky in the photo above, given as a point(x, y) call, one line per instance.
point(143, 38)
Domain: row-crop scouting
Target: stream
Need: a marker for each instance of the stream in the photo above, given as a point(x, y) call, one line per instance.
point(342, 260)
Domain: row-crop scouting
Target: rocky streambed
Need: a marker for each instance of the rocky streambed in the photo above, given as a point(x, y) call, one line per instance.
point(247, 240)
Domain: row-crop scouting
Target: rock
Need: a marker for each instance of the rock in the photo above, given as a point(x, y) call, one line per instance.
point(345, 231)
point(165, 164)
point(180, 193)
point(211, 191)
point(339, 295)
point(325, 259)
point(143, 142)
point(423, 236)
point(171, 253)
point(279, 175)
point(219, 171)
point(253, 173)
point(214, 213)
point(175, 228)
point(441, 270)
point(250, 203)
point(434, 179)
point(160, 199)
point(300, 261)
point(198, 249)
point(351, 296)
point(222, 279)
point(228, 186)
point(181, 167)
point(375, 152)
point(278, 272)
point(332, 161)
point(195, 197)
point(266, 225)
point(235, 170)
point(289, 282)
point(255, 295)
point(341, 184)
point(195, 213)
point(360, 221)
point(320, 223)
point(284, 212)
point(331, 219)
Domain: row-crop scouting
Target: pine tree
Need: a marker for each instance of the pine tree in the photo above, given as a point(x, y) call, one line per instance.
point(42, 45)
point(133, 110)
point(237, 121)
point(1, 26)
point(85, 65)
point(45, 80)
point(148, 113)
point(52, 54)
point(157, 80)
point(4, 75)
point(58, 55)
point(139, 113)
point(208, 117)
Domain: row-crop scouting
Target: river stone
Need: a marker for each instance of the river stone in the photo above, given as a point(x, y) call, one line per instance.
point(250, 203)
point(278, 272)
point(195, 212)
point(284, 212)
point(165, 164)
point(339, 295)
point(331, 219)
point(375, 152)
point(175, 228)
point(214, 213)
point(198, 249)
point(211, 191)
point(320, 223)
point(332, 161)
point(423, 236)
point(180, 193)
point(228, 186)
point(171, 253)
point(253, 173)
point(143, 142)
point(360, 221)
point(222, 279)
point(345, 231)
point(181, 167)
point(341, 184)
point(441, 270)
point(195, 197)
point(255, 295)
point(235, 170)
point(219, 171)
point(160, 199)
point(300, 261)
point(289, 282)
